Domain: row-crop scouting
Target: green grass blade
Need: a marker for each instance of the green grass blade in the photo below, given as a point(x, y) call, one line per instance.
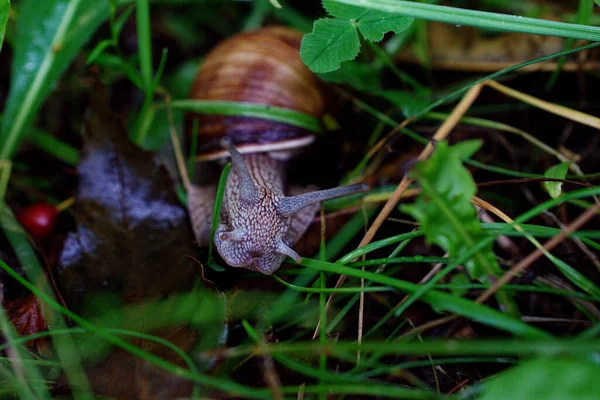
point(50, 34)
point(368, 389)
point(54, 146)
point(4, 11)
point(252, 110)
point(216, 215)
point(480, 19)
point(142, 17)
point(521, 347)
point(440, 300)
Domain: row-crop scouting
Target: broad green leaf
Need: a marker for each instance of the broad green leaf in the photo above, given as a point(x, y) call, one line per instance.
point(331, 42)
point(375, 24)
point(444, 208)
point(548, 379)
point(445, 213)
point(51, 32)
point(597, 2)
point(4, 11)
point(559, 171)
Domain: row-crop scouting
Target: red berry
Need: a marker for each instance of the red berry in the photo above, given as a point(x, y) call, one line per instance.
point(38, 219)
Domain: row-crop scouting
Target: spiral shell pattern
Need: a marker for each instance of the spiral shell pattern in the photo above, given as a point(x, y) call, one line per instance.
point(262, 67)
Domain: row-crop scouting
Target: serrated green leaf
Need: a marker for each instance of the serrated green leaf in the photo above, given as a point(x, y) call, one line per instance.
point(50, 33)
point(331, 42)
point(375, 24)
point(4, 11)
point(559, 171)
point(557, 379)
point(344, 11)
point(444, 211)
point(372, 24)
point(444, 208)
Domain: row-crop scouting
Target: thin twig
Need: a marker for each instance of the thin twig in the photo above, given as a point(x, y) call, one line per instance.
point(177, 146)
point(537, 253)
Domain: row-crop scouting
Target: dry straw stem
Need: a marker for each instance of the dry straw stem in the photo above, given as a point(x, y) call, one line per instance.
point(177, 149)
point(566, 112)
point(443, 131)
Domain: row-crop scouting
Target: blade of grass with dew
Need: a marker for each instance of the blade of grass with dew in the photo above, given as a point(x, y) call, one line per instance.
point(4, 12)
point(216, 216)
point(67, 352)
point(480, 19)
point(41, 55)
point(437, 299)
point(208, 381)
point(252, 110)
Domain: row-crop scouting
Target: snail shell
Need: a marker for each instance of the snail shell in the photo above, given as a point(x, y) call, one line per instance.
point(261, 67)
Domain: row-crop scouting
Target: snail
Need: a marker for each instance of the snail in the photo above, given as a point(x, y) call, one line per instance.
point(258, 224)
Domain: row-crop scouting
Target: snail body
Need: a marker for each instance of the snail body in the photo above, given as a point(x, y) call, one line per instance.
point(258, 224)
